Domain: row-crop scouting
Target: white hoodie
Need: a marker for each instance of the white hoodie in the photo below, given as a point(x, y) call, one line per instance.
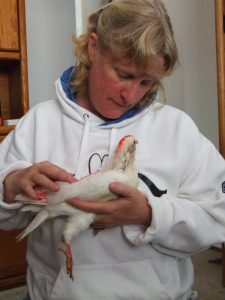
point(185, 187)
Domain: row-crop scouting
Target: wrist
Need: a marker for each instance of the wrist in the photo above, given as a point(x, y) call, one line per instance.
point(147, 217)
point(8, 190)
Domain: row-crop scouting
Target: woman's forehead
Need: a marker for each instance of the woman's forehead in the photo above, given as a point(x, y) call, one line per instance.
point(128, 65)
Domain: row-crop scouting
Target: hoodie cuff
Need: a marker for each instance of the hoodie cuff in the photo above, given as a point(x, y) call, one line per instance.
point(139, 234)
point(160, 226)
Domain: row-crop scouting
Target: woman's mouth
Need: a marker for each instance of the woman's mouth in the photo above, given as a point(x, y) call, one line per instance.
point(119, 103)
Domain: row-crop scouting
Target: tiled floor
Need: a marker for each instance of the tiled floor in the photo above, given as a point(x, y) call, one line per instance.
point(14, 294)
point(208, 276)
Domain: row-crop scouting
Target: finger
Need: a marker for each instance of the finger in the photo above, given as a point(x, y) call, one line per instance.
point(105, 221)
point(100, 222)
point(55, 173)
point(97, 225)
point(29, 191)
point(92, 206)
point(44, 181)
point(121, 189)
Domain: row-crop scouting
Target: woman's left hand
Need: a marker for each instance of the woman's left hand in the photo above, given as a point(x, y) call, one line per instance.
point(131, 207)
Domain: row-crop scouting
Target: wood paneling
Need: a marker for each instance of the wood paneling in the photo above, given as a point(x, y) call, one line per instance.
point(9, 32)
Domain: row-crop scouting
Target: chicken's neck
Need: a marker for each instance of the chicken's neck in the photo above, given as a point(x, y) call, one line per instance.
point(124, 161)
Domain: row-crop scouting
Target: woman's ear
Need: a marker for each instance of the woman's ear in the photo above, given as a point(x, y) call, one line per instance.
point(92, 45)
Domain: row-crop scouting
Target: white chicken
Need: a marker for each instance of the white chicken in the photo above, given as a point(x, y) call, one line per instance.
point(92, 187)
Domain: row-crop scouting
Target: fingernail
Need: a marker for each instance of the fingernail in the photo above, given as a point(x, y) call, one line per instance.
point(55, 187)
point(113, 185)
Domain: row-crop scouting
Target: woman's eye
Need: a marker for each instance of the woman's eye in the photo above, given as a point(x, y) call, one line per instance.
point(146, 82)
point(125, 76)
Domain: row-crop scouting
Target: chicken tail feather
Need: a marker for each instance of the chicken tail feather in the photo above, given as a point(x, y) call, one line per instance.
point(40, 218)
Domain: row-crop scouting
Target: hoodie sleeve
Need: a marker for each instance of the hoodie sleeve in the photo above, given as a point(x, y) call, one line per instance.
point(194, 218)
point(13, 156)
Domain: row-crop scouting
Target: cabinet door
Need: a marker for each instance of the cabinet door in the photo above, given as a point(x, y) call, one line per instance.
point(9, 32)
point(12, 259)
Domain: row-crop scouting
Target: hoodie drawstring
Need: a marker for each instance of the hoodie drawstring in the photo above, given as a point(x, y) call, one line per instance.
point(112, 146)
point(83, 145)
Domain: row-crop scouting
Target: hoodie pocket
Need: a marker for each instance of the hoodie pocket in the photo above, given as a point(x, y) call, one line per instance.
point(125, 281)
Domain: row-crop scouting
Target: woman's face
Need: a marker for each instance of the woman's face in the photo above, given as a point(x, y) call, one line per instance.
point(114, 86)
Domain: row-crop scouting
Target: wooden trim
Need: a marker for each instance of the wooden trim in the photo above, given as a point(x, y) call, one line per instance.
point(23, 53)
point(4, 55)
point(220, 72)
point(4, 130)
point(220, 49)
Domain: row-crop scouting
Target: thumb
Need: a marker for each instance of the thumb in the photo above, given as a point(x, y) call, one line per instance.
point(121, 189)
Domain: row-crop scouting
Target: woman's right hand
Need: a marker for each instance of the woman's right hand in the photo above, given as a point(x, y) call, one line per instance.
point(43, 174)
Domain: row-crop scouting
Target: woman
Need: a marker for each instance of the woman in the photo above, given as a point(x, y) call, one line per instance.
point(150, 232)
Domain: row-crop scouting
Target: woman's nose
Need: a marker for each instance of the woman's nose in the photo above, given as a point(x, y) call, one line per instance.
point(130, 93)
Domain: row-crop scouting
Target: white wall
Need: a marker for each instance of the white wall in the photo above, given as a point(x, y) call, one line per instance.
point(193, 86)
point(83, 9)
point(50, 25)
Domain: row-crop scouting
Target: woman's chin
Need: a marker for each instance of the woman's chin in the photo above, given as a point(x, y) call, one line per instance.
point(111, 116)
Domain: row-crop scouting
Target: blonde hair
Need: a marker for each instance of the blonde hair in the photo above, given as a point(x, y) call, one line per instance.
point(135, 30)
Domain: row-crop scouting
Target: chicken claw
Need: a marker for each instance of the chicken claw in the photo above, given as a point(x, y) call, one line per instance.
point(66, 249)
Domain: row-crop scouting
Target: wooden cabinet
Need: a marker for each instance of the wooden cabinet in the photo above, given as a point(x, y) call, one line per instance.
point(14, 103)
point(220, 47)
point(13, 62)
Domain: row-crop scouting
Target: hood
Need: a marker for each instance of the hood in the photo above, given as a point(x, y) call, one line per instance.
point(69, 106)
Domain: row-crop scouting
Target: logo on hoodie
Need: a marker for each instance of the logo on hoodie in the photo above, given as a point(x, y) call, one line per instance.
point(223, 187)
point(152, 187)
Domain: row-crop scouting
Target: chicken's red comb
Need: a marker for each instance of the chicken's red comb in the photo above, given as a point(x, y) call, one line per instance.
point(121, 142)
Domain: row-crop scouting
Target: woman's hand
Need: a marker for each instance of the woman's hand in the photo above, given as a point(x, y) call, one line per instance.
point(43, 174)
point(130, 208)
